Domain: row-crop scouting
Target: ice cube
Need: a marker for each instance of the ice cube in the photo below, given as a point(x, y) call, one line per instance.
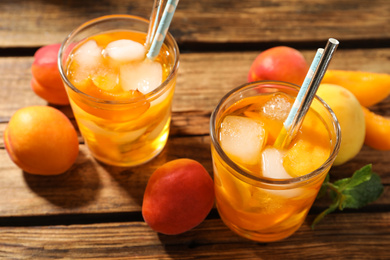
point(272, 167)
point(272, 164)
point(144, 76)
point(80, 75)
point(242, 139)
point(291, 193)
point(88, 55)
point(277, 108)
point(125, 50)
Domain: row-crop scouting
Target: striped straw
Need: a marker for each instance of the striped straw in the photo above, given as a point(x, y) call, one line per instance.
point(306, 94)
point(302, 91)
point(154, 19)
point(162, 29)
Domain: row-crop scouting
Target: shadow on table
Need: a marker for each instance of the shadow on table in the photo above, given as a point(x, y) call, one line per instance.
point(133, 180)
point(76, 187)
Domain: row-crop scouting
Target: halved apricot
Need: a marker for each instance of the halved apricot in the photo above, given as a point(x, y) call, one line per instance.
point(377, 130)
point(368, 87)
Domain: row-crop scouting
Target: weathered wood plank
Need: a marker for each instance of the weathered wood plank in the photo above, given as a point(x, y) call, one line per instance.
point(89, 186)
point(92, 187)
point(202, 81)
point(361, 236)
point(221, 21)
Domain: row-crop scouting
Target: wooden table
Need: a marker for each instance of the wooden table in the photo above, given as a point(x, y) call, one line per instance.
point(93, 210)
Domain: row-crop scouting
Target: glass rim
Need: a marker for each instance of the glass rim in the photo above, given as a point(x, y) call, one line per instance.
point(168, 39)
point(243, 172)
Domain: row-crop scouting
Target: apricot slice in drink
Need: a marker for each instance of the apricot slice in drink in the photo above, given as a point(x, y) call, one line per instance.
point(310, 151)
point(369, 88)
point(377, 130)
point(136, 106)
point(304, 158)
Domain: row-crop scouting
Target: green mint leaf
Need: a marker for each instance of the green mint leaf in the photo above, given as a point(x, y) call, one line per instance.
point(344, 186)
point(355, 192)
point(364, 193)
point(360, 176)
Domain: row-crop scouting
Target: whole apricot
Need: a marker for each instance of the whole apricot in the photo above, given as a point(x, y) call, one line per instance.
point(351, 119)
point(279, 63)
point(368, 87)
point(377, 130)
point(41, 140)
point(54, 96)
point(178, 197)
point(46, 81)
point(44, 68)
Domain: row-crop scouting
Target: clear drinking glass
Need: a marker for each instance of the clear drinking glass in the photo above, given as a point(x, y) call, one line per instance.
point(265, 208)
point(120, 131)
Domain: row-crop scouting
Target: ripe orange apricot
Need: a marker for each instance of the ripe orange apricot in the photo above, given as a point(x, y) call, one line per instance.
point(41, 140)
point(44, 68)
point(279, 63)
point(46, 81)
point(179, 195)
point(53, 96)
point(368, 87)
point(377, 130)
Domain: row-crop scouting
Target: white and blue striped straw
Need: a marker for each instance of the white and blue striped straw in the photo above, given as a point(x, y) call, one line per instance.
point(162, 29)
point(306, 94)
point(305, 85)
point(154, 19)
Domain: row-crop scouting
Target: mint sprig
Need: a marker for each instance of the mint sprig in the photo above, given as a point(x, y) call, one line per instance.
point(355, 192)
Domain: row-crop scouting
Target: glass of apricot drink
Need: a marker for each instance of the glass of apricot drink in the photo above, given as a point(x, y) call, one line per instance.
point(121, 100)
point(262, 192)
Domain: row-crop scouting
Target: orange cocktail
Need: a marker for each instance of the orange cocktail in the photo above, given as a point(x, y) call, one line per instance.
point(262, 192)
point(121, 100)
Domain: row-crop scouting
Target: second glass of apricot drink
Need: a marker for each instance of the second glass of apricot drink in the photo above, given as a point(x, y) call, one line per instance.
point(121, 100)
point(264, 192)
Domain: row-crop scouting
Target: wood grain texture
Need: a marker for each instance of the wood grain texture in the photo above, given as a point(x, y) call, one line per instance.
point(27, 23)
point(202, 81)
point(94, 210)
point(211, 240)
point(91, 187)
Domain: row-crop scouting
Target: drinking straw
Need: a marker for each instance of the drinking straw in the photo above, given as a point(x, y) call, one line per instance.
point(162, 28)
point(154, 20)
point(306, 94)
